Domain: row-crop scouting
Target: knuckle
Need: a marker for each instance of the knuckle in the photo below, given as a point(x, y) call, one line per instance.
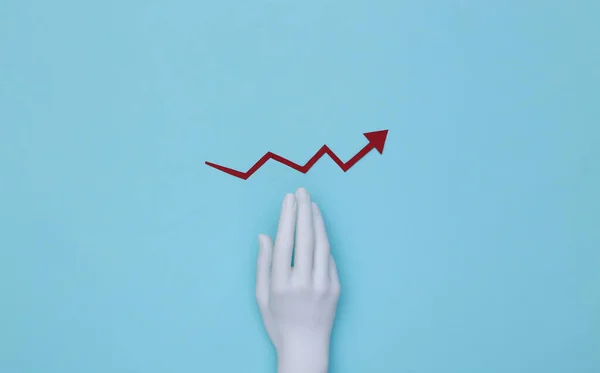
point(279, 289)
point(302, 285)
point(262, 299)
point(321, 290)
point(336, 289)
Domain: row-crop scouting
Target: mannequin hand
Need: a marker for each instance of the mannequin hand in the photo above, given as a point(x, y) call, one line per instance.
point(298, 304)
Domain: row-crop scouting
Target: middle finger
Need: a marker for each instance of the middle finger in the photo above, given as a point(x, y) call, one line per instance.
point(303, 257)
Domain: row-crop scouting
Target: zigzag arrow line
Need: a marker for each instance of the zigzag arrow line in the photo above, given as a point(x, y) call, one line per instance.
point(376, 141)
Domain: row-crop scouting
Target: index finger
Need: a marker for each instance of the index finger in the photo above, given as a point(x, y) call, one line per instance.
point(284, 241)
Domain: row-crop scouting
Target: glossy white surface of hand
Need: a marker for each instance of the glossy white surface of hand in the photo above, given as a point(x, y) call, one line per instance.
point(298, 303)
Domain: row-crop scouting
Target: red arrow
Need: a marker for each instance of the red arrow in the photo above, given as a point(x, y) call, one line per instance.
point(376, 141)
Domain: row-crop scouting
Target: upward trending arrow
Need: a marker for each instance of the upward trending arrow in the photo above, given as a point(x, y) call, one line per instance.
point(376, 141)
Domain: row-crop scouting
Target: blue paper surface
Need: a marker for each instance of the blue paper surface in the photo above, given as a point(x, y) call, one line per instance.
point(470, 245)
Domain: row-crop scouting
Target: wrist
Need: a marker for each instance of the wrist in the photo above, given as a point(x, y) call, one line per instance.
point(303, 356)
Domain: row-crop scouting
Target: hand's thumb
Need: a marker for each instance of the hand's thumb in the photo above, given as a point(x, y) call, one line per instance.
point(263, 268)
point(265, 244)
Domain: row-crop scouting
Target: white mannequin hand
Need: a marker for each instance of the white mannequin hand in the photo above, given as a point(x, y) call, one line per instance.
point(298, 304)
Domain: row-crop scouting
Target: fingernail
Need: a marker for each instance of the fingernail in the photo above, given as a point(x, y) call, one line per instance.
point(302, 194)
point(289, 200)
point(315, 207)
point(261, 244)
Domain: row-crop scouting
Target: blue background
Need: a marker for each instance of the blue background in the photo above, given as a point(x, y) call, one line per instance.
point(471, 245)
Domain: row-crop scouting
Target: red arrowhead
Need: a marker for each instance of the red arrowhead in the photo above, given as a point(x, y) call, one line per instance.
point(377, 139)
